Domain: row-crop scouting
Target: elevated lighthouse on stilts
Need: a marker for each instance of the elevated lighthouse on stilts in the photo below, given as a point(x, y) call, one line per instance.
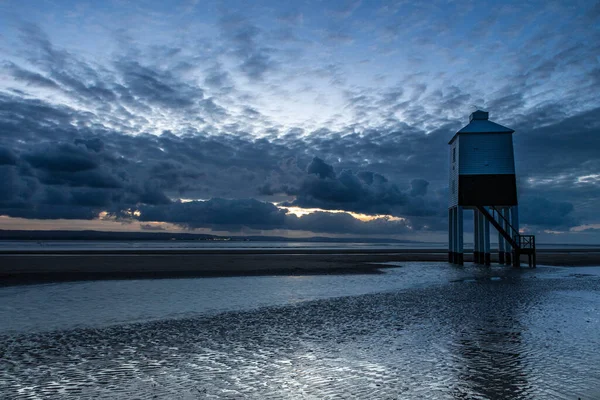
point(482, 179)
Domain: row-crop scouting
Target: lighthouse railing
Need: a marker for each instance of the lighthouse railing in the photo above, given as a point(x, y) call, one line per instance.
point(515, 234)
point(525, 242)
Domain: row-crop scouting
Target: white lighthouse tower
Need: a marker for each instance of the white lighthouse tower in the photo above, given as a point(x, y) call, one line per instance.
point(482, 178)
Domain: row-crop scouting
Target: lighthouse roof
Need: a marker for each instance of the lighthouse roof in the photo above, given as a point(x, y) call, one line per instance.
point(479, 123)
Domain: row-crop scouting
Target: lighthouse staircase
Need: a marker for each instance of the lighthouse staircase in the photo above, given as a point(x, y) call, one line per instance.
point(521, 244)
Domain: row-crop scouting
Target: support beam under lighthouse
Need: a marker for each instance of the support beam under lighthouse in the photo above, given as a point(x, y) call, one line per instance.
point(451, 235)
point(476, 237)
point(455, 235)
point(483, 178)
point(501, 247)
point(507, 253)
point(481, 239)
point(487, 257)
point(459, 235)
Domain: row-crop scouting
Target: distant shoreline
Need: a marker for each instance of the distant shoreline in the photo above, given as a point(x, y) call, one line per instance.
point(42, 266)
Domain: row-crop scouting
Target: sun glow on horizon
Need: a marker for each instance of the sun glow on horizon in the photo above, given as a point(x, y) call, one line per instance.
point(300, 212)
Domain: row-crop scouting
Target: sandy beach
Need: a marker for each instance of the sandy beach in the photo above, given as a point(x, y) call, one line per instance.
point(18, 267)
point(423, 330)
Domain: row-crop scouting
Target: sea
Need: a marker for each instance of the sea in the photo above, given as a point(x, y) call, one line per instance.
point(50, 245)
point(415, 330)
point(25, 245)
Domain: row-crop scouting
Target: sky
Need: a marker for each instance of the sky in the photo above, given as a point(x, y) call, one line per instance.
point(302, 118)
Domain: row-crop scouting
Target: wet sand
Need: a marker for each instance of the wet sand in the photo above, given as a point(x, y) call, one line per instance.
point(19, 267)
point(443, 333)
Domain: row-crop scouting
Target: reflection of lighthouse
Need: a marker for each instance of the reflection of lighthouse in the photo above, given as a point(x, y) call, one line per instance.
point(482, 178)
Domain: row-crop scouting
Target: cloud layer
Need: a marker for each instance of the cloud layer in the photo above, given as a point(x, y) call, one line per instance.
point(347, 109)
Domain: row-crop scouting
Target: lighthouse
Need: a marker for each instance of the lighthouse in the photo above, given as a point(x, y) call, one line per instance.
point(482, 178)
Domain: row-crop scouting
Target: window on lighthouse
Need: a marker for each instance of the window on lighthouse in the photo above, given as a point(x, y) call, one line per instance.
point(454, 154)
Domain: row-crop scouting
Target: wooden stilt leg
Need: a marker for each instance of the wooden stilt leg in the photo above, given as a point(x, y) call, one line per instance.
point(459, 235)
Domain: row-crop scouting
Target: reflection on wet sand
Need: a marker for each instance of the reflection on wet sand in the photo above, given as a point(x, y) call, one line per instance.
point(489, 345)
point(488, 334)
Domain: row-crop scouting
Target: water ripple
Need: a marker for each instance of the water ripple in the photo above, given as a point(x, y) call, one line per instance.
point(483, 339)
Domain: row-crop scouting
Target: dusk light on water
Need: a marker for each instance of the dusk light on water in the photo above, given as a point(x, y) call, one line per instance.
point(222, 199)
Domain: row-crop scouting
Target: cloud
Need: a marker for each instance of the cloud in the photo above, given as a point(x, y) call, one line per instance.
point(217, 77)
point(157, 87)
point(7, 157)
point(56, 166)
point(62, 158)
point(545, 213)
point(152, 195)
point(364, 192)
point(226, 214)
point(255, 59)
point(240, 214)
point(346, 9)
point(40, 46)
point(15, 190)
point(291, 17)
point(418, 187)
point(152, 227)
point(224, 109)
point(343, 223)
point(31, 78)
point(320, 168)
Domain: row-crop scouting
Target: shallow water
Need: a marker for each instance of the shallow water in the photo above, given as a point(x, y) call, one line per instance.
point(80, 245)
point(52, 245)
point(425, 329)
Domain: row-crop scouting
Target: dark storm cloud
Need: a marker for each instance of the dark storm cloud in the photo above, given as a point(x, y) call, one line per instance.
point(320, 168)
point(363, 192)
point(348, 192)
point(21, 117)
point(7, 157)
point(63, 172)
point(58, 170)
point(218, 213)
point(15, 190)
point(547, 214)
point(239, 214)
point(398, 151)
point(52, 212)
point(567, 145)
point(371, 177)
point(91, 198)
point(24, 196)
point(78, 175)
point(52, 162)
point(94, 144)
point(152, 194)
point(95, 178)
point(343, 223)
point(418, 187)
point(62, 158)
